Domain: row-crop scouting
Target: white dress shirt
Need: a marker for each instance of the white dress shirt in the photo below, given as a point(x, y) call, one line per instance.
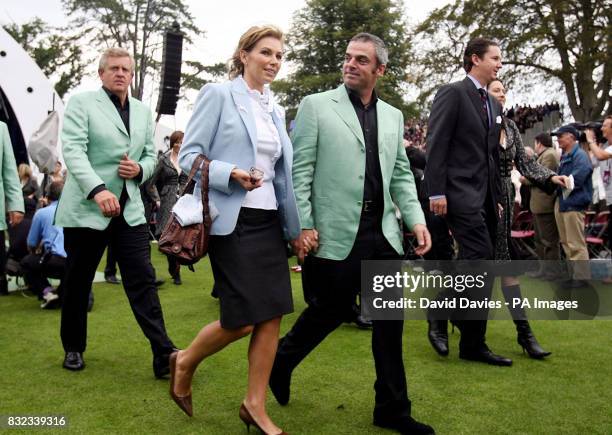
point(268, 149)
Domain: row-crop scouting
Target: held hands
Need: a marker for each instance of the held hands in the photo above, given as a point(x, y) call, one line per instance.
point(438, 206)
point(243, 178)
point(307, 241)
point(423, 239)
point(108, 203)
point(128, 168)
point(15, 218)
point(561, 180)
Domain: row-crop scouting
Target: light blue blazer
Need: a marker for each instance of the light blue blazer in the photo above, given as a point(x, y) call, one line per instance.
point(223, 128)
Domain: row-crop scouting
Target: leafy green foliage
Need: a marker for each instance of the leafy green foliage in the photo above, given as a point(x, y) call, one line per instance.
point(555, 42)
point(138, 26)
point(318, 38)
point(54, 50)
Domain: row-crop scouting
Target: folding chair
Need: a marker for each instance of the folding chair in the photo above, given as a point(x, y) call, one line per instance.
point(596, 236)
point(522, 235)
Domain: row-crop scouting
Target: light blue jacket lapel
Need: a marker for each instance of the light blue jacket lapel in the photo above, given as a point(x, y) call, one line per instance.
point(243, 105)
point(344, 108)
point(110, 111)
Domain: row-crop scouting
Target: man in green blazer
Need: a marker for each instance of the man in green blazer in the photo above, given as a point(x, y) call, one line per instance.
point(11, 198)
point(108, 148)
point(350, 170)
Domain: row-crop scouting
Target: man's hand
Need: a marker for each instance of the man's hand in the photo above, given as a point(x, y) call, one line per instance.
point(438, 206)
point(108, 203)
point(423, 239)
point(243, 178)
point(590, 136)
point(128, 169)
point(307, 241)
point(15, 218)
point(500, 210)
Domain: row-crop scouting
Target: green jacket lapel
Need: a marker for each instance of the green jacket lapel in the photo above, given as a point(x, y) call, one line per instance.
point(110, 111)
point(344, 108)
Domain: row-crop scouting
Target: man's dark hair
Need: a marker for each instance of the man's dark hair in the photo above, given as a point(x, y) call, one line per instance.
point(544, 139)
point(478, 46)
point(54, 190)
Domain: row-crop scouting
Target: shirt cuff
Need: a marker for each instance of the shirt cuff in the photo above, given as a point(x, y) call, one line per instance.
point(437, 196)
point(97, 190)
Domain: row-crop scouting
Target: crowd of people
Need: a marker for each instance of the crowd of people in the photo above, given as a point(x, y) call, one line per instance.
point(331, 191)
point(526, 117)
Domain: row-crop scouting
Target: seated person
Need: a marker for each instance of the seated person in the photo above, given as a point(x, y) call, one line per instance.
point(47, 257)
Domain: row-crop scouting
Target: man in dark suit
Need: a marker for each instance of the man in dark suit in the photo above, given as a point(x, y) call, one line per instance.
point(462, 179)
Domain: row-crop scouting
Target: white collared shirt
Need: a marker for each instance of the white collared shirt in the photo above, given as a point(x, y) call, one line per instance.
point(268, 149)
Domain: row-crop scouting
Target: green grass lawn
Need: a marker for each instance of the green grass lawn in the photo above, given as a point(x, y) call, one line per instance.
point(332, 390)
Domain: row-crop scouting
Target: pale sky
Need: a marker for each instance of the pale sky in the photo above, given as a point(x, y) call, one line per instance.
point(223, 26)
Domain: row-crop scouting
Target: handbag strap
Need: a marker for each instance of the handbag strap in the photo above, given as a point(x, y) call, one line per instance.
point(201, 162)
point(204, 193)
point(194, 168)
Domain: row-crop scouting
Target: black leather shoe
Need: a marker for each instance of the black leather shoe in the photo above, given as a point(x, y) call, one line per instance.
point(485, 356)
point(176, 279)
point(362, 322)
point(438, 336)
point(111, 279)
point(74, 361)
point(406, 425)
point(280, 382)
point(527, 340)
point(159, 282)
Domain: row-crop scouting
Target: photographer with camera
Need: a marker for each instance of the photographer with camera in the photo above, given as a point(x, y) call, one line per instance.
point(47, 257)
point(603, 153)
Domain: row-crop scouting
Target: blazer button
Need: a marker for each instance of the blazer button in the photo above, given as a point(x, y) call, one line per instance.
point(359, 203)
point(361, 177)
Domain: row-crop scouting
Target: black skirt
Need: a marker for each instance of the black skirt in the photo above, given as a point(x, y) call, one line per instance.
point(251, 270)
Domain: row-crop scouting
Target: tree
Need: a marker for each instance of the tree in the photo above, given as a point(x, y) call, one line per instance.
point(138, 26)
point(55, 52)
point(318, 38)
point(566, 41)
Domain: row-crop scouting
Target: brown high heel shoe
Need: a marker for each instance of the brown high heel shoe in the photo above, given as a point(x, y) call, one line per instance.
point(183, 402)
point(248, 420)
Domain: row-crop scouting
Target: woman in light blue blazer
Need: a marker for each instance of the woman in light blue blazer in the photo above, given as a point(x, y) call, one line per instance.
point(240, 128)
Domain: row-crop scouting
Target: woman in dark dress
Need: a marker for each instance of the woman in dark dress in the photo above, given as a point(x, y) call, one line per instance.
point(165, 183)
point(511, 152)
point(241, 129)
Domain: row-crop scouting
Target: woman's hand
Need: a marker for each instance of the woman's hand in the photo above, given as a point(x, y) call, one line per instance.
point(243, 178)
point(560, 180)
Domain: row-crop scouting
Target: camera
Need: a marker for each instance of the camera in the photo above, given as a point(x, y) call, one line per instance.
point(592, 125)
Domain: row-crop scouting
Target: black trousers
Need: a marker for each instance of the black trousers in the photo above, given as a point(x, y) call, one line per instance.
point(36, 272)
point(3, 257)
point(330, 288)
point(111, 262)
point(475, 235)
point(130, 245)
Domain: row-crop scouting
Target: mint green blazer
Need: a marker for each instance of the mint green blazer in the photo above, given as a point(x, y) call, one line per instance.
point(329, 169)
point(93, 141)
point(11, 198)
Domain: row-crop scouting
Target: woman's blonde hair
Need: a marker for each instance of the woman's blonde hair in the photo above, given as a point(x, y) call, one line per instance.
point(248, 40)
point(24, 171)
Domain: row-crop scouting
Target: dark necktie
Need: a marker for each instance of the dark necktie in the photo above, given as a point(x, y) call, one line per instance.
point(483, 98)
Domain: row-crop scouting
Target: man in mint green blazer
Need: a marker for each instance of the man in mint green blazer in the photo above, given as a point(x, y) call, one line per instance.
point(11, 198)
point(108, 147)
point(350, 170)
